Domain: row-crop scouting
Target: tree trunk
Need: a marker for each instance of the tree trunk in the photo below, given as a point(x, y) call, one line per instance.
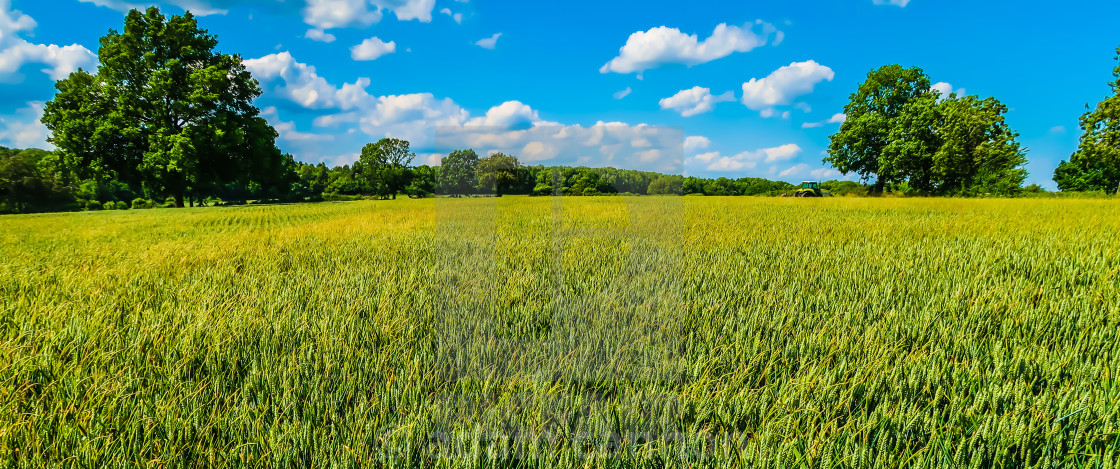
point(191, 197)
point(179, 200)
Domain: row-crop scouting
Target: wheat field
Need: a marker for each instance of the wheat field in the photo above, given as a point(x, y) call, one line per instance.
point(564, 332)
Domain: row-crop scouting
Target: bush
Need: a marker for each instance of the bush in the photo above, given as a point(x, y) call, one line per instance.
point(93, 205)
point(110, 205)
point(336, 197)
point(139, 203)
point(542, 190)
point(666, 185)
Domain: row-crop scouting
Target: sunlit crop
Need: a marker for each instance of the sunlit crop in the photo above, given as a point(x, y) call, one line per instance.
point(571, 332)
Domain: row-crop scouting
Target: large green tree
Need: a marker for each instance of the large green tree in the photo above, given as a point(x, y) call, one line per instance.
point(977, 152)
point(899, 130)
point(872, 112)
point(386, 166)
point(456, 176)
point(1095, 166)
point(497, 172)
point(165, 111)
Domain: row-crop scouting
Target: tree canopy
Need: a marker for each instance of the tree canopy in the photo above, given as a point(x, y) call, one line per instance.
point(901, 131)
point(385, 165)
point(1095, 166)
point(497, 172)
point(457, 173)
point(164, 112)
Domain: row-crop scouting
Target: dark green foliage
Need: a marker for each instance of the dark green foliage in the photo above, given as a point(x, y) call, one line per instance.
point(666, 185)
point(457, 173)
point(497, 173)
point(872, 110)
point(29, 182)
point(843, 188)
point(977, 152)
point(165, 112)
point(424, 181)
point(906, 135)
point(385, 166)
point(1095, 166)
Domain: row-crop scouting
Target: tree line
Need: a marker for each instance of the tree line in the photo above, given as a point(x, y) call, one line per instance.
point(168, 121)
point(33, 180)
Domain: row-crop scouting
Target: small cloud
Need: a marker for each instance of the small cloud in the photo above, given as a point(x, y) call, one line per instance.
point(319, 35)
point(897, 3)
point(796, 169)
point(838, 118)
point(782, 153)
point(695, 100)
point(488, 43)
point(622, 94)
point(1058, 130)
point(695, 142)
point(824, 173)
point(946, 89)
point(372, 48)
point(458, 17)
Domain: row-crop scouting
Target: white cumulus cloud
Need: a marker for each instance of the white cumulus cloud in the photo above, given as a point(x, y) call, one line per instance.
point(662, 45)
point(327, 14)
point(784, 84)
point(432, 124)
point(714, 161)
point(298, 82)
point(946, 89)
point(693, 101)
point(23, 129)
point(372, 48)
point(693, 143)
point(15, 52)
point(507, 114)
point(622, 94)
point(319, 35)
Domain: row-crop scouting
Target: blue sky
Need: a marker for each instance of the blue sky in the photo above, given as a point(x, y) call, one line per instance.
point(709, 88)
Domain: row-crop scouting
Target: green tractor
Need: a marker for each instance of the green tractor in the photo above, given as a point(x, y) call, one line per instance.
point(811, 189)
